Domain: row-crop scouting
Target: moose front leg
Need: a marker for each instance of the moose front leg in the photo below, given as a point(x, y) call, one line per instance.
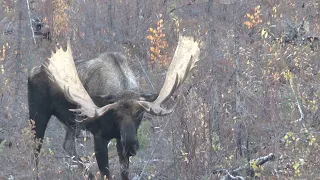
point(101, 151)
point(124, 161)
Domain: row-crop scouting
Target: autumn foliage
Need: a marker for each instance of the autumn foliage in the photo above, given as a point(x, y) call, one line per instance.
point(158, 44)
point(254, 19)
point(271, 105)
point(61, 17)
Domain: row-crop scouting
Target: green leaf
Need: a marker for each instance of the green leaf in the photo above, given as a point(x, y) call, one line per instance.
point(296, 165)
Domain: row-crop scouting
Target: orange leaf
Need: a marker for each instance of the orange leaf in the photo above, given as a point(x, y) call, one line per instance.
point(150, 37)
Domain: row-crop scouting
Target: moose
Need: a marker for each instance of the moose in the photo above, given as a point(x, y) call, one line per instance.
point(41, 29)
point(102, 96)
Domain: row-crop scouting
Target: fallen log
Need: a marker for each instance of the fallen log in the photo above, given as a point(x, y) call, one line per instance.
point(234, 174)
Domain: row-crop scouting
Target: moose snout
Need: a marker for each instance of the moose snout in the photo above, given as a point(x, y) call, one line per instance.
point(134, 149)
point(130, 146)
point(129, 139)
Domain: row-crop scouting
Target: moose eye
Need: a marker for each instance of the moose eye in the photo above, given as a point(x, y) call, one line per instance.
point(126, 106)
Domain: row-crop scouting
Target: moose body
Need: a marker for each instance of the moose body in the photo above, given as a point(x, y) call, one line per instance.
point(106, 75)
point(104, 92)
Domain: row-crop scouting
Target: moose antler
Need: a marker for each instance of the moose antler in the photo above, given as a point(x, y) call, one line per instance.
point(184, 60)
point(62, 71)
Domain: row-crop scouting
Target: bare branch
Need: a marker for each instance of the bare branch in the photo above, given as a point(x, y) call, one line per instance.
point(29, 13)
point(301, 119)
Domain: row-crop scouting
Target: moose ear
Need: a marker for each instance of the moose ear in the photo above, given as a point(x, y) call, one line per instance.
point(102, 100)
point(148, 97)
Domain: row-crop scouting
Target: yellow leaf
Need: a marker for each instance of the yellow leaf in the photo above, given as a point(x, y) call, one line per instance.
point(266, 35)
point(296, 165)
point(51, 152)
point(2, 69)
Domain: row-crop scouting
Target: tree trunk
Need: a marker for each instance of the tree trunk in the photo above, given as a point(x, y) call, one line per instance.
point(214, 124)
point(238, 119)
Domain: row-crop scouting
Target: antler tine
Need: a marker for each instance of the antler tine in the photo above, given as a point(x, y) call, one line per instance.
point(184, 60)
point(62, 72)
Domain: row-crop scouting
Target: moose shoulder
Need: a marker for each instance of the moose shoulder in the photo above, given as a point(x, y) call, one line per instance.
point(104, 92)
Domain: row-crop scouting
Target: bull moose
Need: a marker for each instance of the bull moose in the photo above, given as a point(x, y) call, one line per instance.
point(103, 92)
